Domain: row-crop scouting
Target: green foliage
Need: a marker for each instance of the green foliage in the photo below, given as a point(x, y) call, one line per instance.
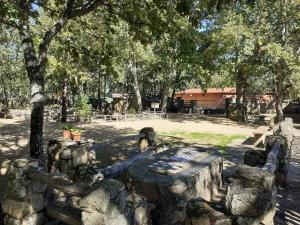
point(68, 126)
point(81, 106)
point(75, 131)
point(131, 111)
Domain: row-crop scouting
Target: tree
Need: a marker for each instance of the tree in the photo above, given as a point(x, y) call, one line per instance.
point(23, 15)
point(246, 46)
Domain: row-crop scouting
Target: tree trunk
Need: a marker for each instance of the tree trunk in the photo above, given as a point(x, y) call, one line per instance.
point(281, 73)
point(64, 100)
point(164, 97)
point(133, 71)
point(240, 94)
point(175, 86)
point(37, 116)
point(280, 93)
point(239, 87)
point(99, 90)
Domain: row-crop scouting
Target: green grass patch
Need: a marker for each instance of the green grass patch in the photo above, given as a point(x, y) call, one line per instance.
point(218, 140)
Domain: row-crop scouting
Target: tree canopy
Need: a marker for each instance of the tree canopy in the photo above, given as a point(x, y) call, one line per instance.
point(144, 48)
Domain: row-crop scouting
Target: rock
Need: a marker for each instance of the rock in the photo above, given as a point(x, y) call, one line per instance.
point(149, 134)
point(247, 221)
point(254, 158)
point(178, 187)
point(11, 221)
point(169, 184)
point(286, 129)
point(79, 157)
point(251, 195)
point(254, 177)
point(268, 217)
point(251, 202)
point(22, 197)
point(200, 212)
point(4, 167)
point(16, 209)
point(105, 205)
point(34, 219)
point(272, 139)
point(226, 221)
point(139, 209)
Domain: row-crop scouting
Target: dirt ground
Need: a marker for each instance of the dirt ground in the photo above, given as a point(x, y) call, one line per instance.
point(14, 134)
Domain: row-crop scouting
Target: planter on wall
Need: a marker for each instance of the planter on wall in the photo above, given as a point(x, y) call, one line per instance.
point(76, 137)
point(66, 134)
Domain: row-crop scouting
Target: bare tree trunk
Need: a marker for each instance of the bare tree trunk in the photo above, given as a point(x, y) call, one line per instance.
point(64, 99)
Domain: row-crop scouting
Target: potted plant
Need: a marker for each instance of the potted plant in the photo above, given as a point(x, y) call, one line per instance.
point(75, 135)
point(67, 131)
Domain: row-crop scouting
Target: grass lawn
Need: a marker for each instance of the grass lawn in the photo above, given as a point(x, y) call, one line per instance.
point(185, 137)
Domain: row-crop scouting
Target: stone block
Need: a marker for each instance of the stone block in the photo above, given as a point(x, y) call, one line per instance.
point(34, 219)
point(268, 217)
point(286, 129)
point(80, 157)
point(16, 209)
point(173, 177)
point(4, 167)
point(105, 205)
point(251, 195)
point(11, 221)
point(254, 157)
point(254, 177)
point(138, 207)
point(247, 221)
point(200, 212)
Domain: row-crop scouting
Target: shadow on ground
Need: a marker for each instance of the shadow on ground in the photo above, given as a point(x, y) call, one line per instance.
point(215, 119)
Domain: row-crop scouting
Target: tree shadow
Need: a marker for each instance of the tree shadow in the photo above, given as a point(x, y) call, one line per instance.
point(198, 118)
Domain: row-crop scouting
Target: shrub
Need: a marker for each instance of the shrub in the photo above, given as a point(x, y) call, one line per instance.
point(82, 108)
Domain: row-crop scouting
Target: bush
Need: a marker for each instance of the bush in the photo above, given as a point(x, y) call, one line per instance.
point(131, 111)
point(82, 108)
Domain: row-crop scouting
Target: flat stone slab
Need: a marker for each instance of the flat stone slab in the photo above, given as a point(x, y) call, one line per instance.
point(173, 177)
point(185, 172)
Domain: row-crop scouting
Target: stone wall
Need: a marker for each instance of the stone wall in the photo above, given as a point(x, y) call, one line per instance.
point(23, 200)
point(110, 203)
point(251, 193)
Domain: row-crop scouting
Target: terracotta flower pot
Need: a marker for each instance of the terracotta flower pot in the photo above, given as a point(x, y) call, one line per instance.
point(76, 137)
point(66, 134)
